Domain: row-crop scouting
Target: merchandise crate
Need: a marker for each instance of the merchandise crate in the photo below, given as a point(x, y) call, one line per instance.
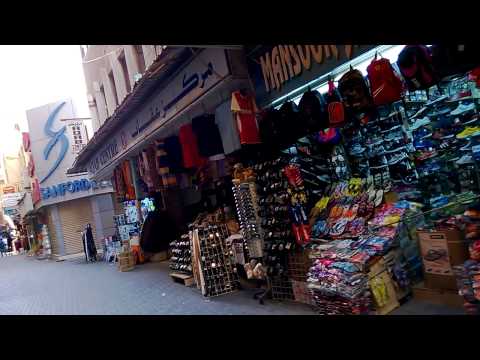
point(299, 264)
point(126, 262)
point(302, 293)
point(281, 288)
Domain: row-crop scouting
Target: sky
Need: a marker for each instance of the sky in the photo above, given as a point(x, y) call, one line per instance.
point(35, 75)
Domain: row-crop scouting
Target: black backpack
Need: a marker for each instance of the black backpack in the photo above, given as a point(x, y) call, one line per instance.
point(415, 65)
point(312, 112)
point(288, 124)
point(269, 130)
point(454, 59)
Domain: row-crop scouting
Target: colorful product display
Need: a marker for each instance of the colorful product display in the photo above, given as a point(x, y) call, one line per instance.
point(346, 177)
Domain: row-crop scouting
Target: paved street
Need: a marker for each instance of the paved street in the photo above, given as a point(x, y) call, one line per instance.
point(32, 287)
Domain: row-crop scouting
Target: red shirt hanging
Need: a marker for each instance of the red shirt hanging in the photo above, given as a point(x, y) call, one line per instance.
point(245, 109)
point(191, 155)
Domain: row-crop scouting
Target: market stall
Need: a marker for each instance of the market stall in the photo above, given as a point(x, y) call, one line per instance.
point(337, 195)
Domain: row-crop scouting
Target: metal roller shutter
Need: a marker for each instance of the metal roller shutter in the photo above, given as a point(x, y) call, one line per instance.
point(75, 215)
point(52, 234)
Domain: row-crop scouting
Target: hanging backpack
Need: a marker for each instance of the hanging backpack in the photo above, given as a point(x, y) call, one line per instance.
point(354, 91)
point(415, 64)
point(385, 85)
point(312, 113)
point(269, 129)
point(288, 129)
point(454, 59)
point(336, 112)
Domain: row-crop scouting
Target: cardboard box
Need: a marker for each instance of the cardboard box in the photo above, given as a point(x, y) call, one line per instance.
point(440, 250)
point(158, 257)
point(437, 296)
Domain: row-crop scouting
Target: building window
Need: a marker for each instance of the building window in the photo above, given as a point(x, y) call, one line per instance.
point(140, 58)
point(123, 63)
point(114, 89)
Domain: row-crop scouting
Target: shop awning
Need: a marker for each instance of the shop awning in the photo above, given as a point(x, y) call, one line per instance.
point(170, 59)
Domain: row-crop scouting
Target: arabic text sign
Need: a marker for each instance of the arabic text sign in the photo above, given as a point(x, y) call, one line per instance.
point(205, 71)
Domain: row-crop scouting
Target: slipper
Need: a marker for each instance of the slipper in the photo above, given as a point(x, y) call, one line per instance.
point(370, 182)
point(378, 179)
point(356, 227)
point(370, 210)
point(339, 227)
point(362, 209)
point(351, 213)
point(371, 195)
point(336, 212)
point(320, 228)
point(378, 198)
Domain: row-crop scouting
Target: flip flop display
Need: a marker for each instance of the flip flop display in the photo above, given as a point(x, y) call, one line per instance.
point(349, 192)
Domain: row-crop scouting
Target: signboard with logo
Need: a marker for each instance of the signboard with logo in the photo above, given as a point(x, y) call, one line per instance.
point(53, 131)
point(205, 71)
point(74, 186)
point(11, 199)
point(279, 70)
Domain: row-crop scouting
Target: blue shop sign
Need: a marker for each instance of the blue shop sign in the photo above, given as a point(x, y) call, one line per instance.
point(71, 187)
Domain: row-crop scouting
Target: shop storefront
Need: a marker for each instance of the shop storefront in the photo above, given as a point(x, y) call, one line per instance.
point(151, 158)
point(63, 205)
point(344, 177)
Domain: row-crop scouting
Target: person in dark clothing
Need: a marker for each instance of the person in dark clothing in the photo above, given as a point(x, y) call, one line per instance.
point(9, 241)
point(89, 244)
point(158, 229)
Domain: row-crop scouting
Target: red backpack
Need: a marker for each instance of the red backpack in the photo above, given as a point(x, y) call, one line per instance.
point(336, 112)
point(385, 85)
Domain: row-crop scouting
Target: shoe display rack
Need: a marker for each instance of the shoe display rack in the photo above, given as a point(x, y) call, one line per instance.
point(217, 272)
point(181, 260)
point(382, 149)
point(247, 209)
point(273, 208)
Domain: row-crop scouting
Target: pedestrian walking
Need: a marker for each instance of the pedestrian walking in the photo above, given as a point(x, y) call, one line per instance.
point(89, 244)
point(3, 247)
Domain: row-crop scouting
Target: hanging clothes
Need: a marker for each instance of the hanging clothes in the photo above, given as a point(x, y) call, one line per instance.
point(150, 168)
point(174, 153)
point(128, 180)
point(208, 135)
point(163, 166)
point(227, 126)
point(245, 110)
point(119, 183)
point(189, 143)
